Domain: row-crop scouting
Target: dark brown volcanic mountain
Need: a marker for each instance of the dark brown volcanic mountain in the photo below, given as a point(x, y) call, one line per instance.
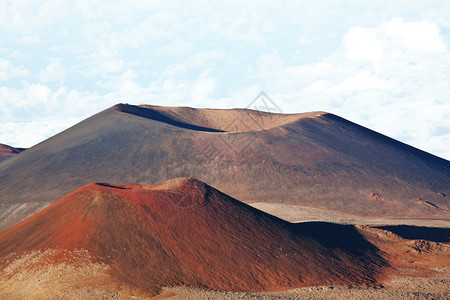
point(183, 232)
point(8, 152)
point(314, 159)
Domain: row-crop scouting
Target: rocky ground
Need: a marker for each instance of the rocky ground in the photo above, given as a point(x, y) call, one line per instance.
point(398, 287)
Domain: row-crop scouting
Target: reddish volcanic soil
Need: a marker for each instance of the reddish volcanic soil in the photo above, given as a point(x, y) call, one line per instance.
point(8, 152)
point(186, 233)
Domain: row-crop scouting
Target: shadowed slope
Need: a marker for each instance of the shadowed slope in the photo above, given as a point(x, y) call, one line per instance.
point(8, 152)
point(227, 120)
point(157, 116)
point(417, 232)
point(183, 232)
point(313, 159)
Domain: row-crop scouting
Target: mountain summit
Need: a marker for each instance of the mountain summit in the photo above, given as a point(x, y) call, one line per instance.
point(316, 160)
point(180, 232)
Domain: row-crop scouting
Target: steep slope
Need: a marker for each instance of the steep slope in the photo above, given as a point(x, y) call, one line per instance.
point(8, 152)
point(184, 232)
point(315, 159)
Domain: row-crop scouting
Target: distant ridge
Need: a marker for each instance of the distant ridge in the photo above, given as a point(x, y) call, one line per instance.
point(8, 152)
point(147, 240)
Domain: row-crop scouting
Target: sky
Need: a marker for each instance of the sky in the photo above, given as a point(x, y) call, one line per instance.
point(382, 64)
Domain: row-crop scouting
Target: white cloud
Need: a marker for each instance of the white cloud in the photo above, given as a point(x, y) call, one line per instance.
point(203, 87)
point(363, 44)
point(95, 30)
point(8, 71)
point(103, 61)
point(29, 15)
point(27, 134)
point(417, 36)
point(363, 80)
point(154, 27)
point(197, 60)
point(54, 72)
point(392, 39)
point(29, 39)
point(245, 25)
point(125, 82)
point(177, 47)
point(29, 97)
